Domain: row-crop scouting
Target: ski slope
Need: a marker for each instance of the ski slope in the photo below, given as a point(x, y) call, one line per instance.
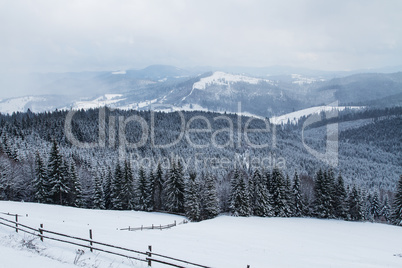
point(221, 242)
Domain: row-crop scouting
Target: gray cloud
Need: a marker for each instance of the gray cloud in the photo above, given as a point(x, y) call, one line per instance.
point(65, 35)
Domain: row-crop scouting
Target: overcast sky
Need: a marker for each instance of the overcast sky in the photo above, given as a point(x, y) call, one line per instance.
point(76, 35)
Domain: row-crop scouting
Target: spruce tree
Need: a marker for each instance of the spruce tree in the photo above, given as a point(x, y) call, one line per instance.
point(144, 195)
point(279, 194)
point(385, 212)
point(210, 208)
point(261, 203)
point(158, 187)
point(57, 176)
point(339, 199)
point(40, 183)
point(98, 194)
point(76, 194)
point(174, 189)
point(298, 204)
point(397, 205)
point(127, 187)
point(323, 195)
point(107, 186)
point(239, 196)
point(193, 199)
point(116, 188)
point(355, 206)
point(375, 207)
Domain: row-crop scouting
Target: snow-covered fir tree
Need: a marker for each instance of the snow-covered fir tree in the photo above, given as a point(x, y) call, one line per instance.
point(116, 188)
point(76, 193)
point(57, 176)
point(239, 195)
point(107, 186)
point(98, 195)
point(385, 212)
point(339, 199)
point(40, 183)
point(262, 203)
point(297, 201)
point(127, 187)
point(323, 193)
point(375, 207)
point(397, 205)
point(210, 201)
point(158, 187)
point(174, 188)
point(193, 198)
point(144, 193)
point(279, 194)
point(355, 205)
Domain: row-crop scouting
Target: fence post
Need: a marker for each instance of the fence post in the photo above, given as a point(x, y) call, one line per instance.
point(152, 226)
point(149, 255)
point(90, 237)
point(248, 266)
point(174, 223)
point(41, 232)
point(16, 223)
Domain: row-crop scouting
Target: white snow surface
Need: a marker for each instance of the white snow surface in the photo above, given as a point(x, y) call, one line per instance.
point(221, 78)
point(9, 106)
point(221, 242)
point(301, 80)
point(105, 100)
point(119, 72)
point(294, 117)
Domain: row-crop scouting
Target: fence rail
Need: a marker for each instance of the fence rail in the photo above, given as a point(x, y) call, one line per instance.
point(147, 256)
point(153, 227)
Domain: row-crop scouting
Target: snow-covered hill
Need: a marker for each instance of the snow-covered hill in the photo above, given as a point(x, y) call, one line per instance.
point(225, 241)
point(294, 117)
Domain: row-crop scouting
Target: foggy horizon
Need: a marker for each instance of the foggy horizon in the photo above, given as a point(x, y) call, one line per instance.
point(75, 36)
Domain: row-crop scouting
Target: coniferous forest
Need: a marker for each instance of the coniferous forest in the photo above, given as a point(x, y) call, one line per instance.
point(39, 164)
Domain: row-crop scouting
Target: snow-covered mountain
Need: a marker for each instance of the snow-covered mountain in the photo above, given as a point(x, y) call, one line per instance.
point(167, 87)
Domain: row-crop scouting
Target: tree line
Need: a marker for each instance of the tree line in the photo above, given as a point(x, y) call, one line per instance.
point(263, 193)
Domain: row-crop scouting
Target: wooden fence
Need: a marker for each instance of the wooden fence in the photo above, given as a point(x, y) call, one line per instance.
point(153, 227)
point(143, 256)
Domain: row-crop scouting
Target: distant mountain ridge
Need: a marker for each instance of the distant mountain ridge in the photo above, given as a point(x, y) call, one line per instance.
point(175, 88)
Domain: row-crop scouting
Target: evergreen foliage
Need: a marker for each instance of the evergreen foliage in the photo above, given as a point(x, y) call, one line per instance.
point(210, 201)
point(297, 204)
point(41, 183)
point(174, 189)
point(261, 203)
point(57, 176)
point(98, 196)
point(144, 193)
point(397, 205)
point(193, 199)
point(240, 197)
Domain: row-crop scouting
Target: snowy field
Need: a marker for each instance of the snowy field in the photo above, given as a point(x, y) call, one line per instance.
point(222, 242)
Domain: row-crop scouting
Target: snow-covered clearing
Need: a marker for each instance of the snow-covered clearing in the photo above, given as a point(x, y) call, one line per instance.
point(222, 242)
point(294, 117)
point(225, 79)
point(9, 106)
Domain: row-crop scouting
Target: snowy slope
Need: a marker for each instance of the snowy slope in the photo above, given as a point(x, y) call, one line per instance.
point(105, 100)
point(222, 242)
point(224, 79)
point(294, 117)
point(18, 104)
